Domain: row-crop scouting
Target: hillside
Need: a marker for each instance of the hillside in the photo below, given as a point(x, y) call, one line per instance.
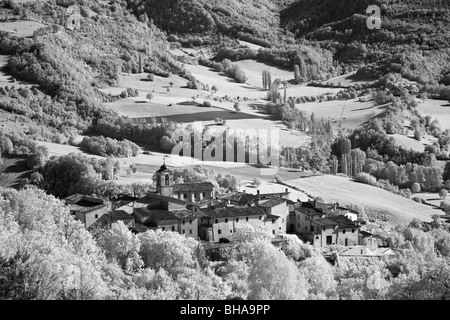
point(256, 21)
point(413, 38)
point(345, 191)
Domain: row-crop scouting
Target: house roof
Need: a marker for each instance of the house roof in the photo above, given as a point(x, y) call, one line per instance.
point(242, 198)
point(226, 212)
point(153, 197)
point(339, 220)
point(117, 215)
point(193, 187)
point(325, 222)
point(165, 215)
point(271, 202)
point(184, 213)
point(365, 233)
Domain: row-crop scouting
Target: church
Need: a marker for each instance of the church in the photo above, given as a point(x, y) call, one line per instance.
point(172, 207)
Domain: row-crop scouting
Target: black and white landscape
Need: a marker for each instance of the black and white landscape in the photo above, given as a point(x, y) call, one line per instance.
point(224, 150)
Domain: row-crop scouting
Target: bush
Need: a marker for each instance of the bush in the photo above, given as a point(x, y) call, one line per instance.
point(110, 147)
point(417, 135)
point(366, 178)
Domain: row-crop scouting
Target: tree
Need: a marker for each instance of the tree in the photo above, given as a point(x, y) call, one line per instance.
point(237, 107)
point(297, 75)
point(214, 88)
point(171, 83)
point(151, 77)
point(415, 188)
point(257, 182)
point(417, 135)
point(266, 79)
point(149, 96)
point(168, 250)
point(121, 245)
point(443, 193)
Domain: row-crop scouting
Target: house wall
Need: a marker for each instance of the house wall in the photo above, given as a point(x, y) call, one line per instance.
point(320, 236)
point(228, 228)
point(302, 224)
point(281, 210)
point(169, 226)
point(352, 237)
point(194, 196)
point(91, 217)
point(189, 228)
point(337, 236)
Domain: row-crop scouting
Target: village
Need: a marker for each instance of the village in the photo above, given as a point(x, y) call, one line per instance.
point(194, 210)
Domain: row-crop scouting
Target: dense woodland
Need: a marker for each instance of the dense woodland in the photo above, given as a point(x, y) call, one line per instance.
point(46, 254)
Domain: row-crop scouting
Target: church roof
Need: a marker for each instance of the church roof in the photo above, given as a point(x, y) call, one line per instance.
point(193, 187)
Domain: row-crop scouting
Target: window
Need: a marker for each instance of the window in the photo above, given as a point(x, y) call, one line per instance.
point(173, 228)
point(353, 230)
point(183, 222)
point(329, 240)
point(226, 220)
point(273, 220)
point(204, 194)
point(317, 238)
point(217, 221)
point(184, 231)
point(312, 228)
point(163, 228)
point(306, 228)
point(260, 217)
point(237, 219)
point(190, 231)
point(279, 228)
point(190, 221)
point(96, 216)
point(246, 218)
point(231, 231)
point(195, 195)
point(219, 231)
point(185, 195)
point(343, 231)
point(167, 180)
point(273, 231)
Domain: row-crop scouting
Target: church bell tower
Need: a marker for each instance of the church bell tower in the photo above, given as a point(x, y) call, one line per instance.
point(164, 181)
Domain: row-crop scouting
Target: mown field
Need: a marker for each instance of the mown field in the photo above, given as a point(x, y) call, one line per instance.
point(343, 190)
point(438, 109)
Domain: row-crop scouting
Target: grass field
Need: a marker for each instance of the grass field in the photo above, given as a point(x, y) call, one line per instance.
point(348, 113)
point(12, 169)
point(21, 28)
point(438, 109)
point(345, 191)
point(408, 141)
